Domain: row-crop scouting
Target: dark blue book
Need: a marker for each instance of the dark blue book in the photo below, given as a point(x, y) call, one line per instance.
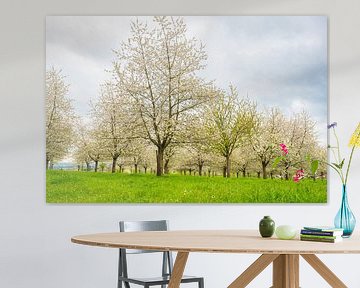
point(322, 231)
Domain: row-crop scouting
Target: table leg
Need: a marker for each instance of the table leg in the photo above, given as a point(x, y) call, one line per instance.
point(178, 270)
point(324, 271)
point(286, 271)
point(253, 270)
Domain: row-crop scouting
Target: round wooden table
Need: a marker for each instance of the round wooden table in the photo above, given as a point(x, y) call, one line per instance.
point(284, 254)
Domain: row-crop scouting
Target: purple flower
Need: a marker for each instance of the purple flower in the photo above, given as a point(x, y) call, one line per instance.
point(332, 125)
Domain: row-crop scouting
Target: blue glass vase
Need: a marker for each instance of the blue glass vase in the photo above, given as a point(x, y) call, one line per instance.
point(345, 219)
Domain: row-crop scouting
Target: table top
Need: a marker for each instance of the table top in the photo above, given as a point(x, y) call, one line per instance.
point(216, 241)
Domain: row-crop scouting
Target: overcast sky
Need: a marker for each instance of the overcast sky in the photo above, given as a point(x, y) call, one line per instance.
point(276, 60)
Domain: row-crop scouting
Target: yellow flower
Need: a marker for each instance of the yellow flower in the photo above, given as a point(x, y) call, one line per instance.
point(355, 138)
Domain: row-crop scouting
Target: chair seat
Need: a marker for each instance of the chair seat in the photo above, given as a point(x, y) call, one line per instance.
point(158, 280)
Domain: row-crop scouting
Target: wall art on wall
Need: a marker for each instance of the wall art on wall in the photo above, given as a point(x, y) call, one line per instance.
point(186, 109)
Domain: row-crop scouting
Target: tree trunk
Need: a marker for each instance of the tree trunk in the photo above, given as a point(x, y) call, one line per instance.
point(47, 163)
point(87, 166)
point(228, 166)
point(113, 167)
point(159, 161)
point(258, 174)
point(287, 166)
point(244, 173)
point(200, 169)
point(166, 166)
point(237, 174)
point(263, 164)
point(224, 171)
point(286, 173)
point(96, 165)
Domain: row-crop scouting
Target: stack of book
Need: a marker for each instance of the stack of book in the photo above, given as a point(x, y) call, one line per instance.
point(321, 234)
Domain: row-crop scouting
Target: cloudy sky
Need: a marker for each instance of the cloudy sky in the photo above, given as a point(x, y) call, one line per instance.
point(276, 60)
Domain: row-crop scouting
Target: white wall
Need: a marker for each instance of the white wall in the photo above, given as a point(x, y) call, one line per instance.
point(35, 248)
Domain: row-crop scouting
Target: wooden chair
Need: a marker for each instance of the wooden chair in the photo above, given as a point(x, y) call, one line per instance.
point(167, 262)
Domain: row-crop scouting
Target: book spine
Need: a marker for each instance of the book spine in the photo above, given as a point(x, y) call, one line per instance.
point(318, 239)
point(318, 236)
point(320, 233)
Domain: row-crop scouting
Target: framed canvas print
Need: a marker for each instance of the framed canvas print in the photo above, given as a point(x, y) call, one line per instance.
point(186, 109)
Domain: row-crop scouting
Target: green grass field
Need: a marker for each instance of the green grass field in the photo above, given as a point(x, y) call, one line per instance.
point(90, 187)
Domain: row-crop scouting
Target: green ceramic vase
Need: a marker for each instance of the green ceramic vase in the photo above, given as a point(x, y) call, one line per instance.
point(266, 227)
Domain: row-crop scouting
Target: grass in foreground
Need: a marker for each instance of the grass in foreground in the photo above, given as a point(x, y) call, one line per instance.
point(90, 187)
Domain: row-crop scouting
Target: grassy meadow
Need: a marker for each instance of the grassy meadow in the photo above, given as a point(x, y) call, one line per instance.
point(90, 187)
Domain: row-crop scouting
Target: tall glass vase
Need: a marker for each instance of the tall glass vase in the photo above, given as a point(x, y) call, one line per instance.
point(345, 219)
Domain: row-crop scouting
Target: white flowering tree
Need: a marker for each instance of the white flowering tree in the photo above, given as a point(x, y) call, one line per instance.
point(196, 141)
point(113, 122)
point(157, 68)
point(243, 159)
point(300, 142)
point(230, 121)
point(80, 154)
point(267, 136)
point(87, 145)
point(59, 117)
point(137, 154)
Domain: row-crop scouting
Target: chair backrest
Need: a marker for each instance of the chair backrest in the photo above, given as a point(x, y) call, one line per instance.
point(134, 226)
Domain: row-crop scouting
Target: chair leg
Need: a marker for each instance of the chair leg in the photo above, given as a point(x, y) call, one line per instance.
point(201, 283)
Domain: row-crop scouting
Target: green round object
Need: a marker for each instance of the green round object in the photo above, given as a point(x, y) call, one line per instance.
point(285, 232)
point(266, 226)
